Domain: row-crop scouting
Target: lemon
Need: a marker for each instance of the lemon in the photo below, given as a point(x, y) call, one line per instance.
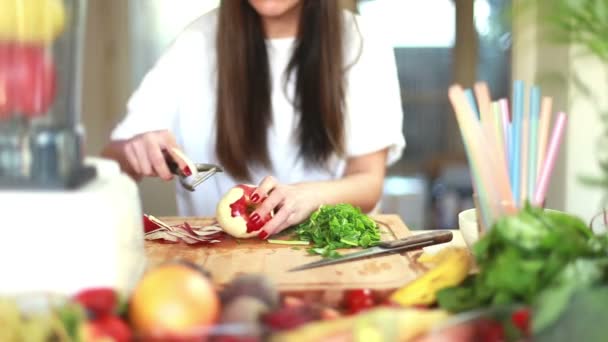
point(31, 21)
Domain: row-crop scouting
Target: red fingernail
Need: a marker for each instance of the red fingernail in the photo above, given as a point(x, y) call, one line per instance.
point(263, 235)
point(187, 172)
point(255, 218)
point(255, 198)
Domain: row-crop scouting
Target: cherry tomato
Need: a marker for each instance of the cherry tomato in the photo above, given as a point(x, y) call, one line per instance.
point(27, 80)
point(358, 300)
point(521, 319)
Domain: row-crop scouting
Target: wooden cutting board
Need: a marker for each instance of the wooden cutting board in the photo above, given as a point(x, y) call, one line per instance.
point(230, 257)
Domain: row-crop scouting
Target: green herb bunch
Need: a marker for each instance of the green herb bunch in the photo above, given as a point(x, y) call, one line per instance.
point(338, 226)
point(537, 257)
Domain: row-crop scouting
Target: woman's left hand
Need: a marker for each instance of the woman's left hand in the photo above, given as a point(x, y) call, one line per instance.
point(291, 204)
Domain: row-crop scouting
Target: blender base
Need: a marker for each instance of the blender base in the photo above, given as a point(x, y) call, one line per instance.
point(79, 178)
point(61, 242)
point(42, 157)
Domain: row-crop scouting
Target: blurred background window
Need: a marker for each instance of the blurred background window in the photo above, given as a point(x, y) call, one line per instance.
point(437, 43)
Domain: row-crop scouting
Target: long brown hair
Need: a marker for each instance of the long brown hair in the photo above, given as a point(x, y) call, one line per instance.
point(244, 111)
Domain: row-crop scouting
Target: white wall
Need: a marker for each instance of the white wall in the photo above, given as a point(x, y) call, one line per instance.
point(552, 66)
point(584, 129)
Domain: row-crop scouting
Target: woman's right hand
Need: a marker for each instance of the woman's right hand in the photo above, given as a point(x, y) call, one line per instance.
point(143, 155)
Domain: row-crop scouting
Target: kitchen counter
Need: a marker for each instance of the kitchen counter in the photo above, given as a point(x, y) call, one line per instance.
point(232, 257)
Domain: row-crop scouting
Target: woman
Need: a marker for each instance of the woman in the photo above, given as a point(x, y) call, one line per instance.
point(296, 89)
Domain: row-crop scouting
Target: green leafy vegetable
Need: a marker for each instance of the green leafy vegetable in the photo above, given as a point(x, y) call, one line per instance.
point(583, 318)
point(537, 257)
point(338, 226)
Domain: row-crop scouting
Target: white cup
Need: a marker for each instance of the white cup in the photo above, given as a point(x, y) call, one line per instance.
point(468, 225)
point(469, 228)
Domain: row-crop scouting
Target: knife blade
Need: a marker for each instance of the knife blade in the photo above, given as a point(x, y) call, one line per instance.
point(385, 247)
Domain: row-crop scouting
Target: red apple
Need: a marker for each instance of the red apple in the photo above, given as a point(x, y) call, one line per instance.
point(107, 328)
point(27, 80)
point(234, 212)
point(98, 301)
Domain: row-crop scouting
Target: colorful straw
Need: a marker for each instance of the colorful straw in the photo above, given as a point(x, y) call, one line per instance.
point(523, 173)
point(470, 130)
point(533, 140)
point(471, 100)
point(500, 133)
point(549, 162)
point(543, 131)
point(508, 154)
point(506, 125)
point(494, 151)
point(518, 112)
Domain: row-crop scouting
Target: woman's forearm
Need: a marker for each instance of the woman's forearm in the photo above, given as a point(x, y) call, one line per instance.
point(115, 151)
point(363, 190)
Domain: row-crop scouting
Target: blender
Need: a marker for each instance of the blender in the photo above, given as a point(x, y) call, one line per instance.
point(68, 222)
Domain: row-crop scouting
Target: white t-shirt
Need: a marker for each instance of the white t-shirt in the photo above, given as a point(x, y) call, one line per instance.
point(179, 95)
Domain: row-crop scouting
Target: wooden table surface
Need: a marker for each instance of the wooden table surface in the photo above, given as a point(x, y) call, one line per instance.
point(230, 258)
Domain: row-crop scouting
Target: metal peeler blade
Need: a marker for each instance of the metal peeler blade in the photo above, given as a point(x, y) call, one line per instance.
point(205, 171)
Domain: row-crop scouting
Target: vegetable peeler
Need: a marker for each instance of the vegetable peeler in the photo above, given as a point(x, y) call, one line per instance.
point(190, 182)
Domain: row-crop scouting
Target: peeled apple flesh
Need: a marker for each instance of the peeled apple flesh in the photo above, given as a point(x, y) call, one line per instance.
point(234, 212)
point(31, 21)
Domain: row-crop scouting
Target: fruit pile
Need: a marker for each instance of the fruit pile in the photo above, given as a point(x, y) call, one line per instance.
point(28, 75)
point(177, 301)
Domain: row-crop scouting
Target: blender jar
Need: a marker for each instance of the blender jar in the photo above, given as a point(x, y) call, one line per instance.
point(40, 91)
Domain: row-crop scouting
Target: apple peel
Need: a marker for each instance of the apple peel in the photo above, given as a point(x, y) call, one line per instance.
point(155, 229)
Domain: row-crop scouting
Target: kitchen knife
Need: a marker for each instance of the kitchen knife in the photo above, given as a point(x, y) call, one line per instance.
point(385, 247)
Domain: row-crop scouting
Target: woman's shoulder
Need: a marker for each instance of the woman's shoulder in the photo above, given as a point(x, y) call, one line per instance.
point(358, 27)
point(364, 38)
point(204, 25)
point(198, 35)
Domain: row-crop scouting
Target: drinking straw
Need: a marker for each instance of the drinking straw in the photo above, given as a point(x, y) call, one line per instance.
point(543, 131)
point(500, 132)
point(523, 191)
point(518, 110)
point(469, 127)
point(533, 140)
point(506, 126)
point(549, 162)
point(493, 153)
point(471, 99)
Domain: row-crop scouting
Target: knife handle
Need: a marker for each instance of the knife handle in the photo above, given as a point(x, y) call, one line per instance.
point(432, 238)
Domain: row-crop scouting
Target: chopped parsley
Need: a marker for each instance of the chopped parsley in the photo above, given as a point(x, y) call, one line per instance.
point(338, 226)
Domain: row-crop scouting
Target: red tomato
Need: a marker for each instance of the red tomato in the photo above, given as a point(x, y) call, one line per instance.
point(27, 80)
point(521, 319)
point(358, 300)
